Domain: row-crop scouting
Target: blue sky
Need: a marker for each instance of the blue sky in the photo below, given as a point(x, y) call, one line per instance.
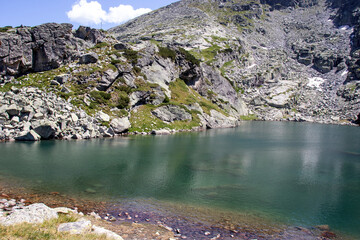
point(94, 13)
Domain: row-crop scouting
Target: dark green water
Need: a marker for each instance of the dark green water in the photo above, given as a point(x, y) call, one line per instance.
point(304, 174)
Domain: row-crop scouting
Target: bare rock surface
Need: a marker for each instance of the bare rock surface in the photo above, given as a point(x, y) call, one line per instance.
point(35, 213)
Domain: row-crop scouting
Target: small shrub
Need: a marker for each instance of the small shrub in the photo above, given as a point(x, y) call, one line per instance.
point(166, 99)
point(100, 97)
point(167, 53)
point(115, 61)
point(226, 50)
point(101, 45)
point(124, 88)
point(137, 70)
point(131, 56)
point(5, 29)
point(250, 117)
point(123, 101)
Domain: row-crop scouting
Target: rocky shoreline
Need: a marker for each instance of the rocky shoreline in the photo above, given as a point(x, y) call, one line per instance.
point(144, 220)
point(30, 114)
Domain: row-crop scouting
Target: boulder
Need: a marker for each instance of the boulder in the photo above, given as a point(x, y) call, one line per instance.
point(324, 61)
point(63, 78)
point(89, 34)
point(160, 132)
point(170, 113)
point(357, 121)
point(120, 46)
point(33, 214)
point(88, 58)
point(106, 132)
point(74, 117)
point(107, 79)
point(218, 120)
point(109, 234)
point(13, 110)
point(30, 136)
point(46, 129)
point(103, 117)
point(79, 227)
point(120, 125)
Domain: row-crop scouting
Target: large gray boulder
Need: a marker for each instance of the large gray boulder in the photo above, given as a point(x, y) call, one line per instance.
point(170, 113)
point(35, 213)
point(79, 227)
point(109, 234)
point(30, 136)
point(89, 34)
point(218, 120)
point(13, 110)
point(46, 129)
point(120, 125)
point(88, 58)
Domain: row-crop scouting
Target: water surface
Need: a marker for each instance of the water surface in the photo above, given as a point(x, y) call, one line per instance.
point(301, 174)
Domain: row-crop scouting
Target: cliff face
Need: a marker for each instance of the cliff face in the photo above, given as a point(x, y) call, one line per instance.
point(192, 64)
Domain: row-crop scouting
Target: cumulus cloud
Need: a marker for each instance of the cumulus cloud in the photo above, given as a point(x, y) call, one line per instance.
point(123, 13)
point(86, 13)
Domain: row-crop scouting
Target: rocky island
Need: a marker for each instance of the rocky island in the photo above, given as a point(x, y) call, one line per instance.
point(192, 65)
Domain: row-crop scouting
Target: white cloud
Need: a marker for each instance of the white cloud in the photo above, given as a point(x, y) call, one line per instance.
point(86, 13)
point(123, 13)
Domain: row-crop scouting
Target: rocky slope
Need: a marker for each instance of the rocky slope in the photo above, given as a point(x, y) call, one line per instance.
point(191, 65)
point(294, 60)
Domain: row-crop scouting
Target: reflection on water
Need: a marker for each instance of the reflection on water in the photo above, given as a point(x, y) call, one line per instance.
point(301, 173)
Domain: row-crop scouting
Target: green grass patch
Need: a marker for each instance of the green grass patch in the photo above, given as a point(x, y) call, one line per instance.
point(131, 56)
point(100, 97)
point(142, 120)
point(166, 52)
point(44, 231)
point(100, 45)
point(250, 117)
point(210, 53)
point(189, 57)
point(123, 100)
point(181, 93)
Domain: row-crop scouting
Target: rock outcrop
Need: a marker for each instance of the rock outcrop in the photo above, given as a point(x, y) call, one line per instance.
point(37, 49)
point(35, 213)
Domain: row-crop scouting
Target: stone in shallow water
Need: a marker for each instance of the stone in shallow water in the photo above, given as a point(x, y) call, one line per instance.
point(90, 190)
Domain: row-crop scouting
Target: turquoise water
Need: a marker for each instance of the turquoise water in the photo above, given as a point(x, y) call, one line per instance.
point(304, 174)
